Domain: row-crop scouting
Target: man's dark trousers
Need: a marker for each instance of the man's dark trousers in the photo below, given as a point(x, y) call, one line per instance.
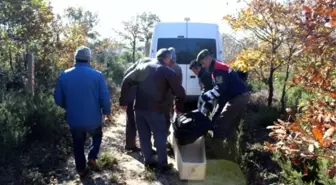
point(147, 122)
point(168, 112)
point(130, 127)
point(78, 138)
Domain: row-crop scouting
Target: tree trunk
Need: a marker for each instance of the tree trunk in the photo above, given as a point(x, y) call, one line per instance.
point(284, 87)
point(147, 45)
point(270, 87)
point(133, 50)
point(11, 60)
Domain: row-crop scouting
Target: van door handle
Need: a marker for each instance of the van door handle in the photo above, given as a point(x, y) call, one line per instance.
point(192, 76)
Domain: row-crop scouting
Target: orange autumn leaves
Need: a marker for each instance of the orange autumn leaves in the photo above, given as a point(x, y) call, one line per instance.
point(319, 79)
point(313, 129)
point(312, 133)
point(323, 9)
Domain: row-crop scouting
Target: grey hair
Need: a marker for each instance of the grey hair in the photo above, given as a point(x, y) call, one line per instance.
point(162, 53)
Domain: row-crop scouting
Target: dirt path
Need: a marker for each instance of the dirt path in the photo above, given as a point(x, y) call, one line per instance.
point(128, 169)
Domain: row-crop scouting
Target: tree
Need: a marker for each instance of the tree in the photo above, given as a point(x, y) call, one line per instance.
point(309, 135)
point(26, 27)
point(269, 21)
point(77, 29)
point(131, 34)
point(86, 19)
point(137, 29)
point(147, 21)
point(231, 47)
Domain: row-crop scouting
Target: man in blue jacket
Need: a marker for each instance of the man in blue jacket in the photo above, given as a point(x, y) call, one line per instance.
point(83, 93)
point(232, 96)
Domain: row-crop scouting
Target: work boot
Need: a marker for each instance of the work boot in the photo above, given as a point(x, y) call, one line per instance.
point(94, 166)
point(165, 169)
point(83, 174)
point(150, 166)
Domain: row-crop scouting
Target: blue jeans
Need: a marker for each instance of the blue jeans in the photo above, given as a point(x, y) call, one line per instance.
point(148, 122)
point(78, 139)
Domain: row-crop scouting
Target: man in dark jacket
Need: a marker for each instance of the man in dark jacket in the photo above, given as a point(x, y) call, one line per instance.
point(232, 97)
point(83, 93)
point(130, 119)
point(153, 80)
point(203, 75)
point(170, 97)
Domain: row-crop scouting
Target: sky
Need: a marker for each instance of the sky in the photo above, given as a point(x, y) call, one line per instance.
point(112, 13)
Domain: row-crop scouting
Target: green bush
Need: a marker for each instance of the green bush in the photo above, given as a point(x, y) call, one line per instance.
point(256, 163)
point(257, 85)
point(12, 129)
point(316, 171)
point(26, 118)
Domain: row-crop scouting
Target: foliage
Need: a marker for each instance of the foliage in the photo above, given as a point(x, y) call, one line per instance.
point(248, 59)
point(138, 29)
point(308, 137)
point(270, 22)
point(32, 127)
point(296, 43)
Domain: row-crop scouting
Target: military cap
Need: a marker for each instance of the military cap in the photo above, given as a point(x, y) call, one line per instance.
point(162, 53)
point(202, 54)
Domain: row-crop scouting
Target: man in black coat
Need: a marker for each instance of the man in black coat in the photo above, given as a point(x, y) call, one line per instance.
point(130, 119)
point(153, 81)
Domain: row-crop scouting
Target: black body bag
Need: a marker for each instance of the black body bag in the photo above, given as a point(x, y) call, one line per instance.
point(191, 126)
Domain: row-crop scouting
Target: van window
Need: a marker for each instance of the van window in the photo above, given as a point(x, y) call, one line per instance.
point(187, 48)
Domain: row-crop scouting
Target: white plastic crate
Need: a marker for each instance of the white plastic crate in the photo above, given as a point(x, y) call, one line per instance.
point(190, 159)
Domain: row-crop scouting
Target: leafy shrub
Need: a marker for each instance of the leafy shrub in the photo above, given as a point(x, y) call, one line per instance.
point(25, 118)
point(256, 85)
point(12, 128)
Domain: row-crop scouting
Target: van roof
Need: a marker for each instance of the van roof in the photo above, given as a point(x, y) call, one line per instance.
point(189, 23)
point(181, 29)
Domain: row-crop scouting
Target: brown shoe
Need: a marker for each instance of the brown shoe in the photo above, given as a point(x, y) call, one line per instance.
point(83, 174)
point(93, 165)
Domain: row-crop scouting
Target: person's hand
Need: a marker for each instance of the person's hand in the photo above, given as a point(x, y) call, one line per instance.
point(107, 119)
point(178, 114)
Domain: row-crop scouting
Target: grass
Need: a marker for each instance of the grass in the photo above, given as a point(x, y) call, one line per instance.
point(107, 161)
point(114, 178)
point(149, 175)
point(222, 172)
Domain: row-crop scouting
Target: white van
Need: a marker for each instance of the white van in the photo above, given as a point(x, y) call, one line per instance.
point(188, 39)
